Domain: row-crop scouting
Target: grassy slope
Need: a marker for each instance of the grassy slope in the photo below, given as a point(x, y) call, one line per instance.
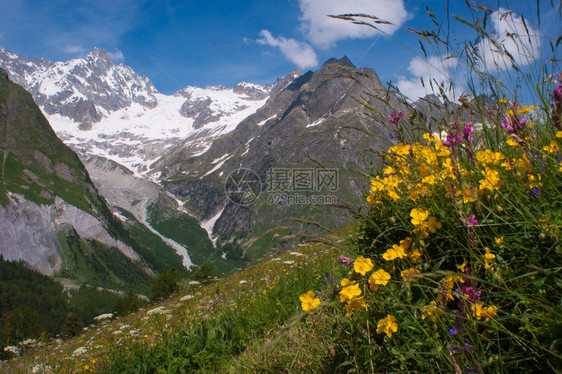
point(217, 327)
point(100, 265)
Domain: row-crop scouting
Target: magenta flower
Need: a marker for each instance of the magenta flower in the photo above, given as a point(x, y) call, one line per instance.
point(394, 117)
point(470, 220)
point(468, 130)
point(345, 261)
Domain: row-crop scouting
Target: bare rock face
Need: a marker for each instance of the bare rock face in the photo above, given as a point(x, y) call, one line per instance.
point(121, 187)
point(313, 116)
point(29, 232)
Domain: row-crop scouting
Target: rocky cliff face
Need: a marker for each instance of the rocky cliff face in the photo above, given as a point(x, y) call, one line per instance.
point(31, 233)
point(313, 124)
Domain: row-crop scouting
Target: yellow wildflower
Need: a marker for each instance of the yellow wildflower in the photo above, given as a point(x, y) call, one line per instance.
point(552, 148)
point(491, 181)
point(418, 216)
point(362, 265)
point(379, 278)
point(349, 291)
point(488, 157)
point(355, 304)
point(430, 179)
point(432, 310)
point(462, 266)
point(559, 134)
point(309, 300)
point(389, 170)
point(512, 142)
point(400, 149)
point(397, 251)
point(387, 325)
point(433, 224)
point(450, 282)
point(489, 312)
point(488, 258)
point(408, 274)
point(415, 255)
point(468, 195)
point(526, 109)
point(406, 243)
point(476, 310)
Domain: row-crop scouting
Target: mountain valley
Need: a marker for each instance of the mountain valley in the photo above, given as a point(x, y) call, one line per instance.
point(161, 161)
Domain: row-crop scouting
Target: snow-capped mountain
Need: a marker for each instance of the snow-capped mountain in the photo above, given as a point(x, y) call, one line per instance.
point(102, 109)
point(183, 146)
point(81, 89)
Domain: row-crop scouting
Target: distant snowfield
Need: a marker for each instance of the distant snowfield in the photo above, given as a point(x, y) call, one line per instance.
point(137, 136)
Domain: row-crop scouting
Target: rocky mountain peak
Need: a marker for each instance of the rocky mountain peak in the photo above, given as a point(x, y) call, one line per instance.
point(98, 56)
point(344, 61)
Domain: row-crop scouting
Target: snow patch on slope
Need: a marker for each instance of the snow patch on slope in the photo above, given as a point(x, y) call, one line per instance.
point(209, 224)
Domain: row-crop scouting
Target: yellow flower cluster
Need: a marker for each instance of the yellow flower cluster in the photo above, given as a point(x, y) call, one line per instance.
point(419, 171)
point(412, 171)
point(479, 311)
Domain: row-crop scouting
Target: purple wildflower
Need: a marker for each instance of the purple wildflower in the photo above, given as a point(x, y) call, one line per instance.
point(470, 220)
point(453, 136)
point(535, 192)
point(468, 130)
point(345, 261)
point(394, 117)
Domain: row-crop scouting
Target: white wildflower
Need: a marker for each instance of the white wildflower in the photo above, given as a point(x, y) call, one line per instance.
point(79, 351)
point(28, 342)
point(41, 369)
point(159, 310)
point(12, 349)
point(186, 297)
point(103, 316)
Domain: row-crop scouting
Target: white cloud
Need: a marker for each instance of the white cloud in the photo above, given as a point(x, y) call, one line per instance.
point(433, 71)
point(74, 49)
point(524, 44)
point(324, 31)
point(116, 56)
point(297, 52)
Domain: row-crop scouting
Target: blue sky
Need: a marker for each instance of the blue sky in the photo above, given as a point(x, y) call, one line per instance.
point(199, 43)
